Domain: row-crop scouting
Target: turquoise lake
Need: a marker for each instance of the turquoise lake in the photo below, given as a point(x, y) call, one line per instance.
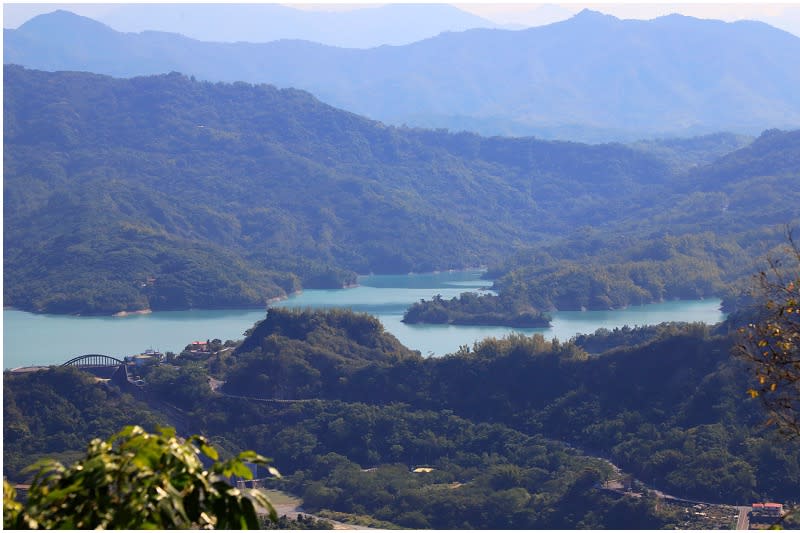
point(31, 339)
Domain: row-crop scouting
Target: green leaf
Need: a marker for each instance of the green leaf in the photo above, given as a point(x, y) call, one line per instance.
point(209, 451)
point(240, 469)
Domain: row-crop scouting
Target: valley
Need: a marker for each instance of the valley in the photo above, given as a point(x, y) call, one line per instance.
point(483, 278)
point(36, 339)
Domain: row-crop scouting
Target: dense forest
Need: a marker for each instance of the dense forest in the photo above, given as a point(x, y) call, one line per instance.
point(167, 193)
point(509, 433)
point(141, 190)
point(54, 413)
point(705, 244)
point(473, 308)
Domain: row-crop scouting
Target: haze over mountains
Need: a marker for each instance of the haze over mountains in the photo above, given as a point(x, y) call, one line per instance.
point(364, 27)
point(393, 24)
point(591, 78)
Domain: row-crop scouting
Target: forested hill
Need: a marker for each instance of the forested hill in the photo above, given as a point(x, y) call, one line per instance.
point(165, 192)
point(775, 153)
point(716, 225)
point(592, 77)
point(511, 429)
point(665, 402)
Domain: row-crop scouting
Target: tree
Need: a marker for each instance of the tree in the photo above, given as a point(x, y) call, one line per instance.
point(772, 342)
point(138, 480)
point(772, 345)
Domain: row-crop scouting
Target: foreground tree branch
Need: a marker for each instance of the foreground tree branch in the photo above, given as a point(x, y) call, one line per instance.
point(772, 342)
point(138, 480)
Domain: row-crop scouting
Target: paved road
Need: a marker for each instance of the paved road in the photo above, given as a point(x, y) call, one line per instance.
point(744, 518)
point(215, 385)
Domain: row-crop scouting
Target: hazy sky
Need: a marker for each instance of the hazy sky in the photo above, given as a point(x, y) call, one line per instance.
point(782, 15)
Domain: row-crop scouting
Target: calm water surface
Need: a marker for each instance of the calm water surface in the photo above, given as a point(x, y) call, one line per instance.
point(30, 339)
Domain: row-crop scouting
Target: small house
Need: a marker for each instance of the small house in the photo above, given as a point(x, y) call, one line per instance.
point(200, 346)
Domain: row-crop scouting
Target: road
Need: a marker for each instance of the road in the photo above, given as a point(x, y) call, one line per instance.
point(744, 518)
point(215, 385)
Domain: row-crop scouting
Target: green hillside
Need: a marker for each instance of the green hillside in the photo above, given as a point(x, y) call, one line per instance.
point(168, 193)
point(513, 433)
point(706, 238)
point(666, 403)
point(56, 412)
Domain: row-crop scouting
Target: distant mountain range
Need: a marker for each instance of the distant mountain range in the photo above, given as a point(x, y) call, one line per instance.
point(367, 27)
point(592, 77)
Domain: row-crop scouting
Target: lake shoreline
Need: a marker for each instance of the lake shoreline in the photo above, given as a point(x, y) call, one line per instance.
point(32, 339)
point(130, 313)
point(269, 301)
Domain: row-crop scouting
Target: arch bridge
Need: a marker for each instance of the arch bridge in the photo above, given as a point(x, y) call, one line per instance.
point(94, 360)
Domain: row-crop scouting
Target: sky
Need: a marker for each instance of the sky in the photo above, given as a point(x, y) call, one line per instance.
point(784, 15)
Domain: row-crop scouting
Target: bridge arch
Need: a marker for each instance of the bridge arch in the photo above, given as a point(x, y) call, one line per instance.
point(94, 359)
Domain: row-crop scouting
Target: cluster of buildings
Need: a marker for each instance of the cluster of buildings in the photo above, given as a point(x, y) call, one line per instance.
point(153, 357)
point(767, 513)
point(146, 358)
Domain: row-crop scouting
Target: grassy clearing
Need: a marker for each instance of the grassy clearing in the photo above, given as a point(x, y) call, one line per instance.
point(281, 498)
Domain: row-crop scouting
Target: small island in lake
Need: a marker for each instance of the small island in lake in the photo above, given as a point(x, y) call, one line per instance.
point(472, 309)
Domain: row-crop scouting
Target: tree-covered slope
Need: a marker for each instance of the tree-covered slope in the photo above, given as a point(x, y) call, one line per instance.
point(592, 77)
point(667, 403)
point(515, 432)
point(164, 192)
point(687, 153)
point(300, 354)
point(704, 238)
point(56, 412)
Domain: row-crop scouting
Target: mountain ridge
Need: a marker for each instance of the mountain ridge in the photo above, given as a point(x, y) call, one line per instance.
point(593, 77)
point(365, 27)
